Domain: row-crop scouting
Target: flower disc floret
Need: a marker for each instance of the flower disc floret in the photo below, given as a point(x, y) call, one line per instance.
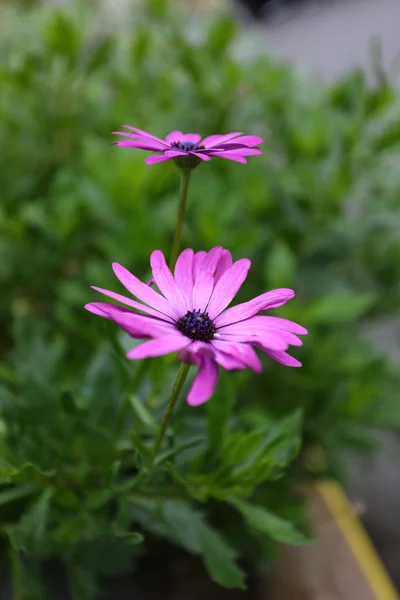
point(197, 325)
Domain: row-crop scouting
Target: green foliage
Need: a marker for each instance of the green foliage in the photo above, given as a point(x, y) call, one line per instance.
point(319, 212)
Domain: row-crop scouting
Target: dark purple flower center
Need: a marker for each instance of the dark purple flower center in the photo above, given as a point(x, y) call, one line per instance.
point(187, 146)
point(197, 325)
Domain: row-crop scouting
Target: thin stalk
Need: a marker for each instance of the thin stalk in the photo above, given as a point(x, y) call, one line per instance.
point(180, 380)
point(176, 244)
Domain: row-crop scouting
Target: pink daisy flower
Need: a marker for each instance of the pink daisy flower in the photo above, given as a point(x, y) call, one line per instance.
point(189, 315)
point(188, 150)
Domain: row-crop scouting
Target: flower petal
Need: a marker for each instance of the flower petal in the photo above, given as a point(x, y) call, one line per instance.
point(197, 260)
point(247, 140)
point(102, 309)
point(133, 304)
point(194, 138)
point(228, 286)
point(213, 140)
point(225, 263)
point(242, 352)
point(204, 382)
point(201, 155)
point(243, 311)
point(158, 347)
point(165, 282)
point(183, 274)
point(243, 151)
point(280, 323)
point(227, 361)
point(283, 358)
point(174, 136)
point(270, 340)
point(204, 281)
point(229, 156)
point(144, 292)
point(140, 325)
point(139, 145)
point(146, 136)
point(156, 158)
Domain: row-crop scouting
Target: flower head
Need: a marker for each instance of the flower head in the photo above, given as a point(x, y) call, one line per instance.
point(188, 150)
point(189, 315)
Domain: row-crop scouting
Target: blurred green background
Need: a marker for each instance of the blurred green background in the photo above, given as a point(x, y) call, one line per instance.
point(319, 211)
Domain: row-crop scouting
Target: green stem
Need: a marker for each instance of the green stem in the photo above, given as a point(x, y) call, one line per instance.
point(180, 380)
point(185, 178)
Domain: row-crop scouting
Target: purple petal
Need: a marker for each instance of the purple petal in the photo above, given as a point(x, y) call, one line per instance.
point(229, 156)
point(174, 136)
point(145, 135)
point(102, 309)
point(243, 311)
point(213, 140)
point(248, 140)
point(242, 352)
point(227, 361)
point(283, 358)
point(197, 261)
point(225, 263)
point(204, 382)
point(280, 323)
point(228, 286)
point(160, 346)
point(165, 281)
point(201, 155)
point(156, 158)
point(151, 146)
point(144, 292)
point(175, 153)
point(244, 151)
point(268, 340)
point(194, 138)
point(133, 304)
point(140, 325)
point(183, 274)
point(204, 281)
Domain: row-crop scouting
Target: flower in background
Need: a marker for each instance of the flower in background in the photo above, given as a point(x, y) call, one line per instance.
point(188, 150)
point(190, 315)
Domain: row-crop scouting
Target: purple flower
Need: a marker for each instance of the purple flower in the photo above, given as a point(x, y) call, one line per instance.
point(188, 150)
point(190, 315)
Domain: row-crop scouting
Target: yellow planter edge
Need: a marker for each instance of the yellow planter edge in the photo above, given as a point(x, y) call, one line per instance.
point(358, 540)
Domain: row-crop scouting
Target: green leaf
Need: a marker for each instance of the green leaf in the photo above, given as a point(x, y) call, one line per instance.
point(168, 454)
point(219, 558)
point(220, 36)
point(14, 493)
point(29, 533)
point(280, 265)
point(142, 413)
point(134, 538)
point(180, 523)
point(28, 473)
point(342, 307)
point(265, 522)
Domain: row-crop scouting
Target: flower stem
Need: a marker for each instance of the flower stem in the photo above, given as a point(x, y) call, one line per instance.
point(185, 178)
point(180, 380)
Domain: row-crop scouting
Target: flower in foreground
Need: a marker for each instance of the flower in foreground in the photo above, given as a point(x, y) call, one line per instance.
point(188, 150)
point(190, 315)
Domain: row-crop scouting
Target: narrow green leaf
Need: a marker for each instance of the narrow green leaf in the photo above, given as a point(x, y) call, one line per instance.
point(142, 413)
point(219, 558)
point(263, 521)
